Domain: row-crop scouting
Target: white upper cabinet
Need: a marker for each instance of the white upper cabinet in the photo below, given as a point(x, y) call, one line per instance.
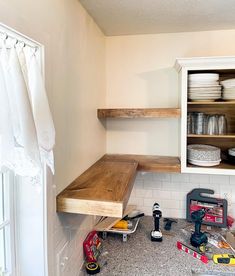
point(207, 96)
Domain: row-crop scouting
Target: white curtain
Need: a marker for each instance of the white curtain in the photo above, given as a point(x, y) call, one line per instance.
point(27, 133)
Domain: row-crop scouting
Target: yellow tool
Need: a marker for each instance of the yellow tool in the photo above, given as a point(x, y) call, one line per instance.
point(225, 259)
point(223, 244)
point(123, 224)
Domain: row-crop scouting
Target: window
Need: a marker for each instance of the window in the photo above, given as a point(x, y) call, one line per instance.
point(7, 245)
point(27, 137)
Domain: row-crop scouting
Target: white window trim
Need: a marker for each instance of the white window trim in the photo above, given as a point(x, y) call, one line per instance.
point(6, 179)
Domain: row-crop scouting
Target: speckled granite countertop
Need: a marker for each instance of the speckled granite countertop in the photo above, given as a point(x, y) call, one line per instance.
point(140, 256)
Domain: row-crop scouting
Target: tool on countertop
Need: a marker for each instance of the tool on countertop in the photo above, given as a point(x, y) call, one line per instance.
point(198, 238)
point(168, 224)
point(92, 250)
point(192, 252)
point(223, 244)
point(92, 268)
point(230, 246)
point(230, 238)
point(156, 234)
point(123, 224)
point(216, 214)
point(134, 215)
point(224, 259)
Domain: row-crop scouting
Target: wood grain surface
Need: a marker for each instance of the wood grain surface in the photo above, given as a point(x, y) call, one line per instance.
point(139, 113)
point(103, 189)
point(148, 163)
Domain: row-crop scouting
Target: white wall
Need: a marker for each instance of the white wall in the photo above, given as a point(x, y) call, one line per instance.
point(140, 73)
point(75, 81)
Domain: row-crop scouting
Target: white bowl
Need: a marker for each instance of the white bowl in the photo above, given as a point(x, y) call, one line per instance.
point(231, 151)
point(204, 77)
point(200, 152)
point(230, 83)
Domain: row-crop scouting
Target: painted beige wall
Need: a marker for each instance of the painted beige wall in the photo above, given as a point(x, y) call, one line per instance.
point(140, 73)
point(75, 81)
point(75, 76)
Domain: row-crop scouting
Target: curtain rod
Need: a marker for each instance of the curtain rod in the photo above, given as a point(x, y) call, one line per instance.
point(7, 36)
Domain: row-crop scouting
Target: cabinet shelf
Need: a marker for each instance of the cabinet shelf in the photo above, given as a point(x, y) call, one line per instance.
point(139, 113)
point(223, 165)
point(212, 103)
point(224, 136)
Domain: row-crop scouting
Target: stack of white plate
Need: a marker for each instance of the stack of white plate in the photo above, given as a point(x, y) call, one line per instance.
point(204, 87)
point(228, 90)
point(203, 155)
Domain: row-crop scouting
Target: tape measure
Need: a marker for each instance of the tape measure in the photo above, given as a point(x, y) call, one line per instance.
point(92, 268)
point(225, 259)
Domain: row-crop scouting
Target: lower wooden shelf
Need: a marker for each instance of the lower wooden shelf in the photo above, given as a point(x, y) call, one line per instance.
point(149, 163)
point(104, 188)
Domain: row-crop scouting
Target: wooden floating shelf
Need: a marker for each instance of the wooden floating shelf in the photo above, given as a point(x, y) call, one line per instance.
point(102, 190)
point(212, 103)
point(105, 187)
point(224, 136)
point(139, 113)
point(148, 163)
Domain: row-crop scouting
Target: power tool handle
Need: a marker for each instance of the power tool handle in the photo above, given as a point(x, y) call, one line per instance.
point(156, 224)
point(198, 227)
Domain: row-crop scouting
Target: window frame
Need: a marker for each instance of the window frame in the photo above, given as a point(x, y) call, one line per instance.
point(8, 196)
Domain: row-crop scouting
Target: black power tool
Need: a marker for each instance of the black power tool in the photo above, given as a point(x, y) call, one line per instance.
point(198, 238)
point(156, 234)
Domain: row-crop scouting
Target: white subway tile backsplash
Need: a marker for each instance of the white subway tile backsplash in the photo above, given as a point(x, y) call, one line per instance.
point(212, 186)
point(172, 213)
point(232, 179)
point(152, 185)
point(146, 176)
point(148, 202)
point(178, 195)
point(140, 176)
point(146, 193)
point(219, 179)
point(183, 204)
point(170, 204)
point(170, 186)
point(170, 191)
point(179, 178)
point(188, 187)
point(199, 178)
point(162, 194)
point(147, 210)
point(136, 201)
point(162, 177)
point(139, 183)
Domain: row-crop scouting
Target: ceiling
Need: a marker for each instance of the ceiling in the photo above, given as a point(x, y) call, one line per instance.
point(128, 17)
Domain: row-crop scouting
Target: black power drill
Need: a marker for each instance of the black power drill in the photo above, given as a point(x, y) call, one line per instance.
point(198, 237)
